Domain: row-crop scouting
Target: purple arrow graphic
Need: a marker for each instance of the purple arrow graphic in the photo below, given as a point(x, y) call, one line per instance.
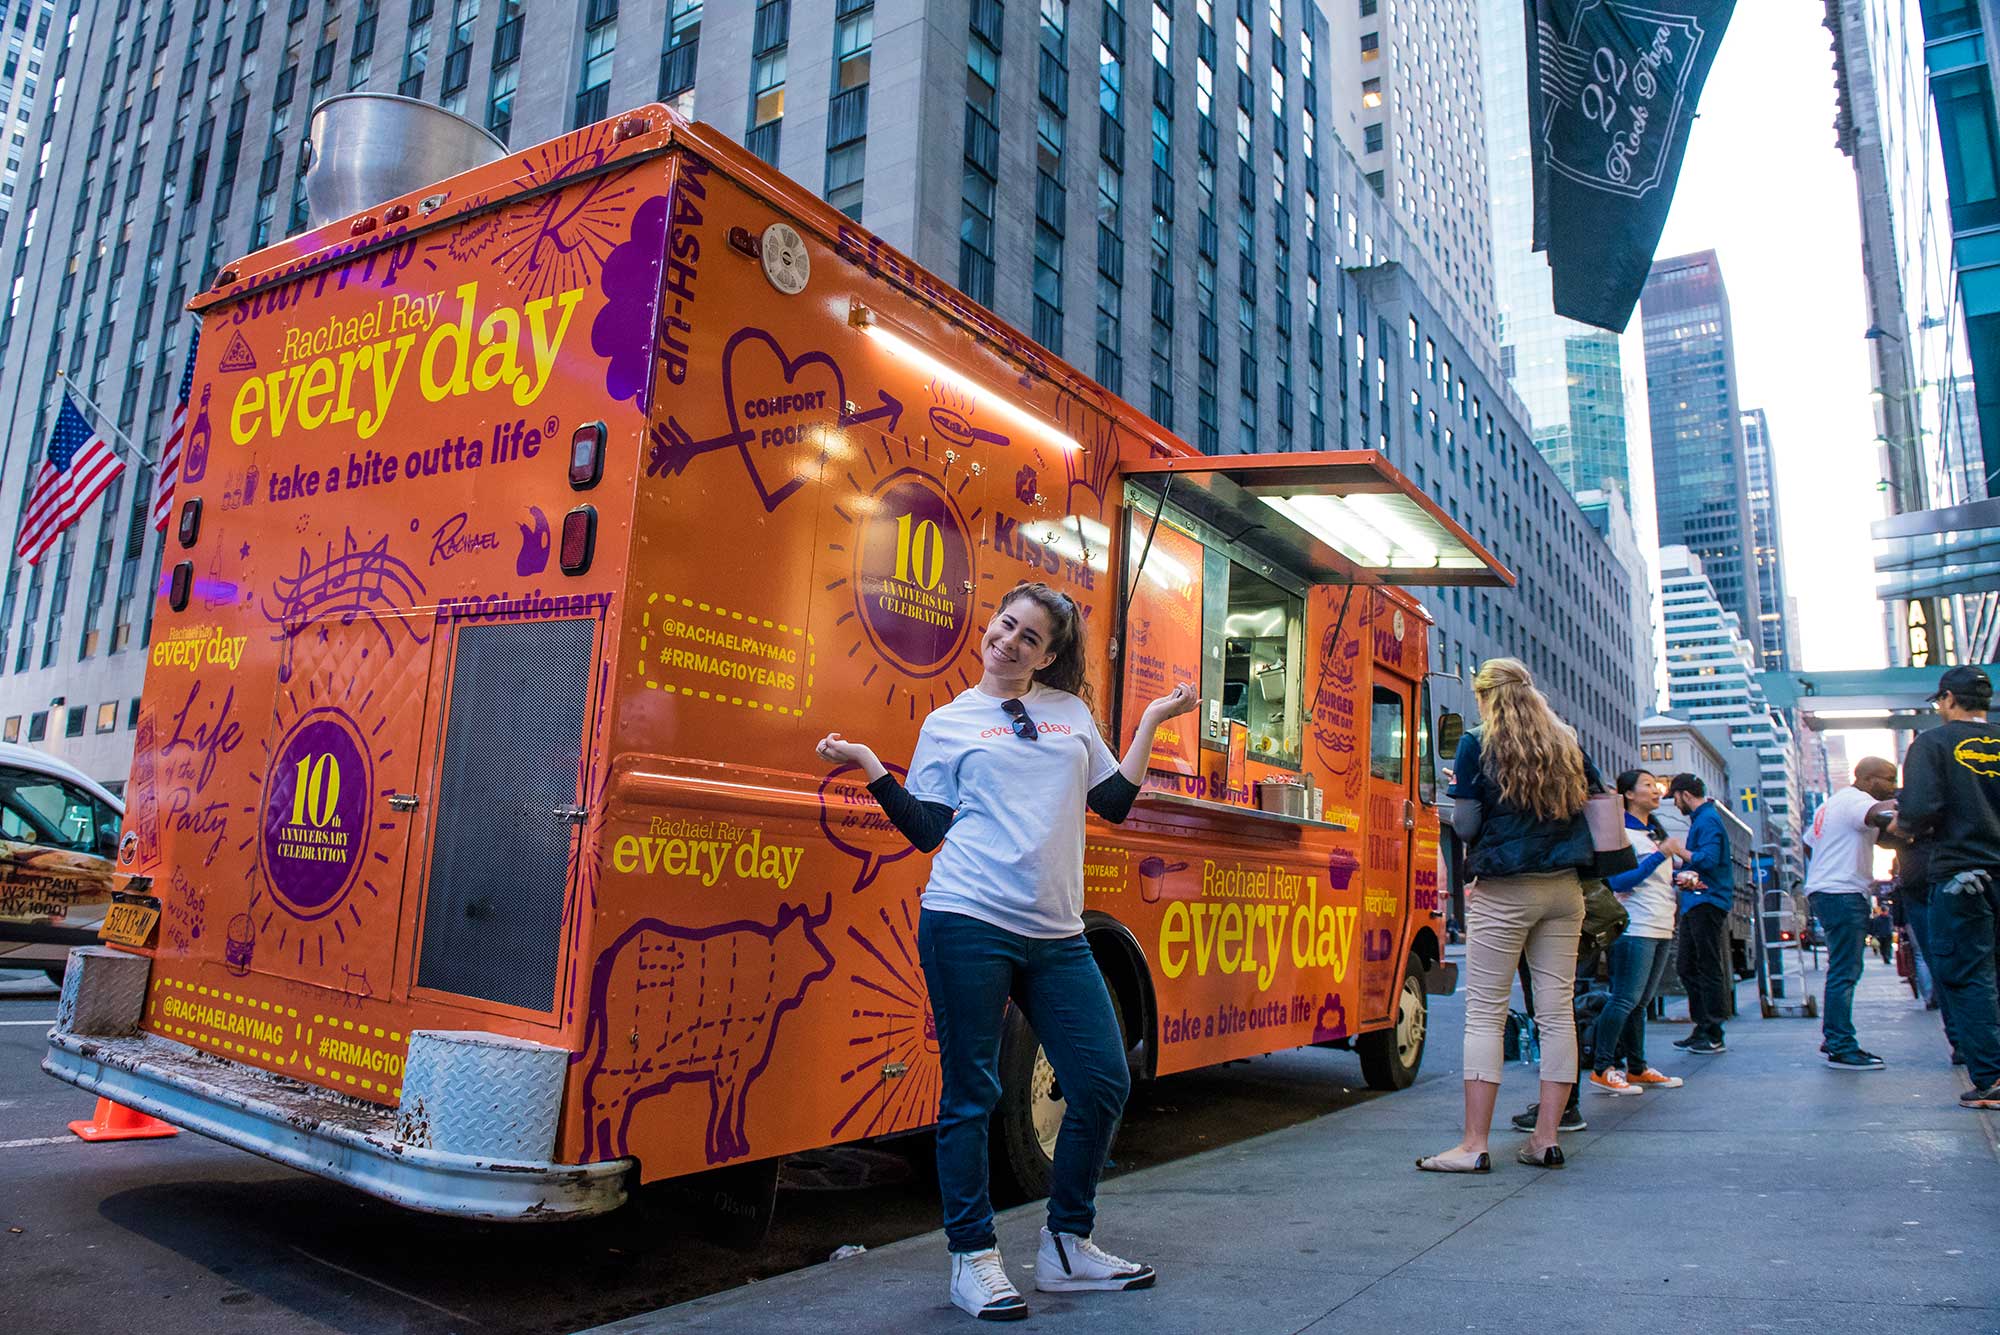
point(673, 449)
point(892, 408)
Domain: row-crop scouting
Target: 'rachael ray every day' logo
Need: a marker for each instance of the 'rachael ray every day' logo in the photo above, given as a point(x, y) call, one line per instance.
point(350, 368)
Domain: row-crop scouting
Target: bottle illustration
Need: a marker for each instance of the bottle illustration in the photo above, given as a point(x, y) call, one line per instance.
point(194, 463)
point(250, 485)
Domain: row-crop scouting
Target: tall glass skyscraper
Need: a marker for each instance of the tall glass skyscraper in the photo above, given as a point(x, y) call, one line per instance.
point(1774, 634)
point(1701, 483)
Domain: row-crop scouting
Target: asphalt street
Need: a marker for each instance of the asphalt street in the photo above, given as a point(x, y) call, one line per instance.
point(189, 1237)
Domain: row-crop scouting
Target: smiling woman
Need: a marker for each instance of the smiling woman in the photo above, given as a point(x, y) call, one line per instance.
point(999, 783)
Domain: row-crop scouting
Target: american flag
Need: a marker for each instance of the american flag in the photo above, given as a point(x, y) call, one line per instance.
point(80, 465)
point(170, 456)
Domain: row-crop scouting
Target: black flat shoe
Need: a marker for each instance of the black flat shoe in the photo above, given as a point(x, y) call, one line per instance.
point(1552, 1157)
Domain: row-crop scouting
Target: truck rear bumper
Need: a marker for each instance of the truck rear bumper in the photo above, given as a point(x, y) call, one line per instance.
point(310, 1129)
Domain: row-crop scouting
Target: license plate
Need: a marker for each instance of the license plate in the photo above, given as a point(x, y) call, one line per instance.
point(128, 924)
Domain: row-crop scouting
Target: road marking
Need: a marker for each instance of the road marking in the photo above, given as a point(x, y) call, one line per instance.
point(43, 1023)
point(387, 1288)
point(39, 1140)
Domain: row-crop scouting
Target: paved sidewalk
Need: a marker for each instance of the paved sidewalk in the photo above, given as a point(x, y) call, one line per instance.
point(1769, 1194)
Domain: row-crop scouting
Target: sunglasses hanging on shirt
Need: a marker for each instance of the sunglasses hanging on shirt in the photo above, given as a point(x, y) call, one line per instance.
point(1017, 716)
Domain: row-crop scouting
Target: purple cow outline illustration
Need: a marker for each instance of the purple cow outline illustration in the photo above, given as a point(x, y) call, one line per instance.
point(677, 1056)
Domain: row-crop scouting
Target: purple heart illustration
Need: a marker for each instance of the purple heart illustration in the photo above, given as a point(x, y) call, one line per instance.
point(779, 444)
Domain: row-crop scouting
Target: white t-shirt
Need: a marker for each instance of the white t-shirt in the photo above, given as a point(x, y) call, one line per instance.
point(1014, 855)
point(1843, 845)
point(1650, 904)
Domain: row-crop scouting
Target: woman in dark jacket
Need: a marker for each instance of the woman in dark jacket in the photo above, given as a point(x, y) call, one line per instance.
point(1518, 789)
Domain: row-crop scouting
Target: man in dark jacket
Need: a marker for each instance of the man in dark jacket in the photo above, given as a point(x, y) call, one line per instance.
point(1951, 792)
point(1707, 883)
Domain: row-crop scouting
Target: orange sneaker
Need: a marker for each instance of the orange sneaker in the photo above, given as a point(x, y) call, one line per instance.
point(1612, 1081)
point(1655, 1079)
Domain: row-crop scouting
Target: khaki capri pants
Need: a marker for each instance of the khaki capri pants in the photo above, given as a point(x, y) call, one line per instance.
point(1541, 915)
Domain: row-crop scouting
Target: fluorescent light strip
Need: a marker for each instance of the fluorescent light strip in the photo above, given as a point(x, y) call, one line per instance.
point(1325, 525)
point(1000, 404)
point(1385, 520)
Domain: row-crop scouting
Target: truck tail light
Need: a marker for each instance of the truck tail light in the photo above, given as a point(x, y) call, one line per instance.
point(177, 592)
point(579, 538)
point(190, 521)
point(586, 456)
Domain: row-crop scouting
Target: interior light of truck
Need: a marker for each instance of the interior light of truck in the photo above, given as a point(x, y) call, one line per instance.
point(1335, 525)
point(177, 592)
point(586, 456)
point(190, 527)
point(1381, 516)
point(1000, 405)
point(579, 538)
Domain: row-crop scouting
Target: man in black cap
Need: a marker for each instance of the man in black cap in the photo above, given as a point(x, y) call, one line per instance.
point(1951, 792)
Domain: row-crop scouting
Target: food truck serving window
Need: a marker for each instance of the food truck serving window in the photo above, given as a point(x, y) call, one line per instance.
point(1256, 644)
point(1249, 639)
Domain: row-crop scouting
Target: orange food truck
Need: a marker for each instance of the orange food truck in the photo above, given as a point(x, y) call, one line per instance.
point(551, 514)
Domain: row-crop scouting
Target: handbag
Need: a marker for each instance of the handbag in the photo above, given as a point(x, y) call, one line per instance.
point(1605, 814)
point(1604, 918)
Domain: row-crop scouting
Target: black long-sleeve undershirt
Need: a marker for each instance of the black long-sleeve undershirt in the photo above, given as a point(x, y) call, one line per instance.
point(924, 823)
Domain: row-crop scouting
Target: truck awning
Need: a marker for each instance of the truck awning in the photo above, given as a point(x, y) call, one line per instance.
point(1333, 517)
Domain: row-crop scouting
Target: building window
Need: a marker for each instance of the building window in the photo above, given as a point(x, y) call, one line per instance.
point(500, 101)
point(982, 152)
point(38, 725)
point(600, 48)
point(847, 112)
point(107, 716)
point(768, 47)
point(73, 723)
point(416, 51)
point(853, 40)
point(1371, 46)
point(678, 61)
point(12, 732)
point(1371, 93)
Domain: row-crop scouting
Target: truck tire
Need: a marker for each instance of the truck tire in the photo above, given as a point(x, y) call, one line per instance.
point(1022, 1138)
point(1390, 1058)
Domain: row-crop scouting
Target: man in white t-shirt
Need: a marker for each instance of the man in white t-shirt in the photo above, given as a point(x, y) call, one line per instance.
point(1839, 878)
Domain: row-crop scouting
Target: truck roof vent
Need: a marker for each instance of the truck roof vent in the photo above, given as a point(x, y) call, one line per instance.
point(368, 147)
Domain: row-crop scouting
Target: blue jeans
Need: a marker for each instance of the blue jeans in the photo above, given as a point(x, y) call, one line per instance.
point(1918, 912)
point(1844, 918)
point(1638, 963)
point(973, 969)
point(1962, 935)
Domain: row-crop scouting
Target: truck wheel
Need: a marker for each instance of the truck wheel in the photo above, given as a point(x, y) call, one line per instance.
point(1390, 1057)
point(1022, 1138)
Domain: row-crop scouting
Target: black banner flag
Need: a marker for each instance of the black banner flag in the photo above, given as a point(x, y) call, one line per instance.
point(1612, 87)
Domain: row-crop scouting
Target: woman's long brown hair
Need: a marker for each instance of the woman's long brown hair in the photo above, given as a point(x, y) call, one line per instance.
point(1528, 753)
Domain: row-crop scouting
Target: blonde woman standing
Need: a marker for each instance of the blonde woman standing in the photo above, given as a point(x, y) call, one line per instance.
point(1518, 787)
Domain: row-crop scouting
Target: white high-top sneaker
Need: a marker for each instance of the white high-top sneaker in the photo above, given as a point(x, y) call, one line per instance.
point(979, 1285)
point(1067, 1264)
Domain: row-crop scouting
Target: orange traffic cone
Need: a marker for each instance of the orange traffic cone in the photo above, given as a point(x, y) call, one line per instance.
point(115, 1121)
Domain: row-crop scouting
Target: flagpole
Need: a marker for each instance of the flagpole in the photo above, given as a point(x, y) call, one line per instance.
point(130, 450)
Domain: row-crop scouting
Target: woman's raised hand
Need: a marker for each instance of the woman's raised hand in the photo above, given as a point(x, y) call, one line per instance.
point(836, 750)
point(1176, 702)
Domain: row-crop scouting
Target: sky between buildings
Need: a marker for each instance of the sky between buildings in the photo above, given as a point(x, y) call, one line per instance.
point(1765, 186)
